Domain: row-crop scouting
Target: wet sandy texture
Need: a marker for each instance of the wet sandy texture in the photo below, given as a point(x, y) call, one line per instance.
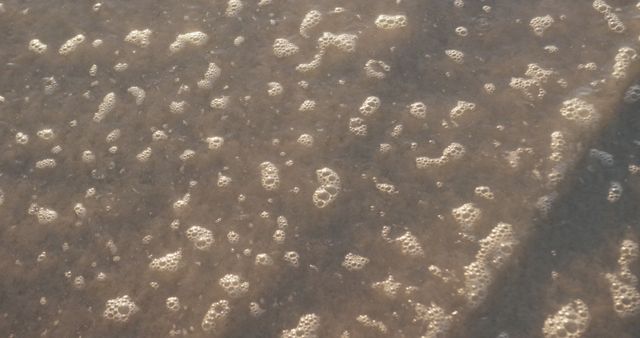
point(57, 277)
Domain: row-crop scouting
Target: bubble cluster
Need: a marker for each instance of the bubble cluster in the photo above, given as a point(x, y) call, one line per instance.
point(120, 309)
point(571, 321)
point(216, 316)
point(330, 186)
point(309, 21)
point(580, 111)
point(71, 45)
point(308, 326)
point(541, 23)
point(233, 8)
point(138, 93)
point(418, 110)
point(105, 107)
point(389, 22)
point(269, 176)
point(202, 238)
point(284, 48)
point(353, 262)
point(623, 60)
point(233, 285)
point(167, 263)
point(376, 69)
point(460, 109)
point(37, 46)
point(369, 106)
point(437, 320)
point(455, 55)
point(613, 21)
point(139, 38)
point(453, 152)
point(195, 39)
point(210, 76)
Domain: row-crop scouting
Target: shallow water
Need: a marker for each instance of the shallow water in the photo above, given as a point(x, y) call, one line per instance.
point(83, 227)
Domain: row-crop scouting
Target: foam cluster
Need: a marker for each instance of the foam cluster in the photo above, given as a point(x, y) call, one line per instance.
point(438, 322)
point(376, 69)
point(305, 140)
point(138, 93)
point(484, 192)
point(195, 39)
point(284, 48)
point(353, 262)
point(579, 111)
point(455, 55)
point(495, 249)
point(369, 106)
point(453, 152)
point(531, 84)
point(613, 21)
point(308, 326)
point(571, 321)
point(292, 258)
point(418, 110)
point(274, 89)
point(371, 323)
point(310, 20)
point(623, 59)
point(389, 22)
point(120, 309)
point(329, 188)
point(343, 42)
point(105, 107)
point(460, 109)
point(467, 215)
point(269, 176)
point(558, 146)
point(388, 287)
point(541, 23)
point(71, 45)
point(46, 215)
point(220, 102)
point(37, 46)
point(233, 8)
point(139, 38)
point(167, 263)
point(202, 238)
point(233, 285)
point(409, 245)
point(357, 126)
point(210, 76)
point(623, 284)
point(215, 317)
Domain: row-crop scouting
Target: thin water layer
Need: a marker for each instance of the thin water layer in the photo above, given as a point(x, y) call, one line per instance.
point(336, 169)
